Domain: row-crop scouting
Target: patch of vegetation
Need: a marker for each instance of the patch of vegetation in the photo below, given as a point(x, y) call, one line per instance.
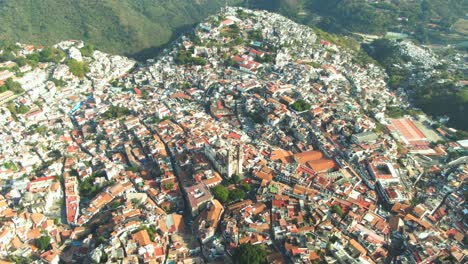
point(434, 97)
point(314, 64)
point(23, 109)
point(255, 35)
point(235, 179)
point(300, 106)
point(59, 83)
point(134, 168)
point(115, 204)
point(10, 166)
point(267, 58)
point(78, 68)
point(224, 195)
point(48, 54)
point(245, 187)
point(233, 31)
point(221, 193)
point(184, 57)
point(11, 85)
point(15, 110)
point(116, 112)
point(337, 210)
point(9, 49)
point(236, 195)
point(156, 120)
point(252, 254)
point(242, 14)
point(43, 243)
point(36, 129)
point(439, 99)
point(169, 186)
point(397, 112)
point(257, 117)
point(87, 50)
point(229, 62)
point(87, 188)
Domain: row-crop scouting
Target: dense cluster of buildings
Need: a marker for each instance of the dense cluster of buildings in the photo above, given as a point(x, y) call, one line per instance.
point(183, 162)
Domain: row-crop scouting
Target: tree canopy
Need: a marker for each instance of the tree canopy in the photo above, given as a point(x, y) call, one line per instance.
point(236, 195)
point(87, 50)
point(250, 254)
point(50, 54)
point(300, 105)
point(43, 243)
point(116, 112)
point(221, 193)
point(185, 57)
point(78, 68)
point(11, 85)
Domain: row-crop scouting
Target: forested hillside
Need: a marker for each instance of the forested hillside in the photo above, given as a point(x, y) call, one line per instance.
point(436, 89)
point(117, 26)
point(372, 17)
point(140, 27)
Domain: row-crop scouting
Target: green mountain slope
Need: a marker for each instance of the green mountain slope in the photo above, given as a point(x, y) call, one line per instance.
point(117, 26)
point(428, 19)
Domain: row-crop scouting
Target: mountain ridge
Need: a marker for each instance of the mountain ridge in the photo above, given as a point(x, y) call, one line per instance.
point(123, 27)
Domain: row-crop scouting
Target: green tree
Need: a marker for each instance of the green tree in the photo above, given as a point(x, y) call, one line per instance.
point(115, 204)
point(21, 61)
point(43, 243)
point(23, 109)
point(236, 195)
point(59, 83)
point(57, 221)
point(13, 86)
point(300, 105)
point(185, 57)
point(395, 112)
point(87, 50)
point(235, 179)
point(221, 193)
point(256, 35)
point(78, 68)
point(257, 117)
point(116, 112)
point(168, 186)
point(230, 63)
point(246, 187)
point(338, 210)
point(267, 58)
point(422, 33)
point(394, 81)
point(51, 54)
point(250, 254)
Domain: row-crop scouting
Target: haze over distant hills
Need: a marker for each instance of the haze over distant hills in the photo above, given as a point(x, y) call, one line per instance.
point(122, 26)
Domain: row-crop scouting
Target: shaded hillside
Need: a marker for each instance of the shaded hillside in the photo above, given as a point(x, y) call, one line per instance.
point(435, 88)
point(123, 26)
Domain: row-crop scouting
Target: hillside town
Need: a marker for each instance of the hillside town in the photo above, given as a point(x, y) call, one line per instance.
point(250, 130)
